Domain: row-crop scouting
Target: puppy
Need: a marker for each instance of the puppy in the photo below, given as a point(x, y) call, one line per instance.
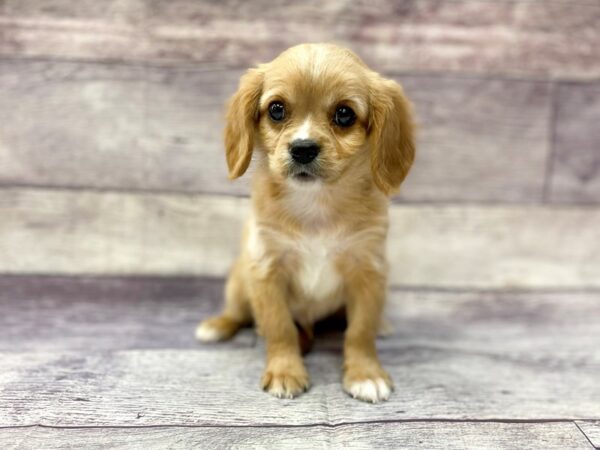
point(330, 140)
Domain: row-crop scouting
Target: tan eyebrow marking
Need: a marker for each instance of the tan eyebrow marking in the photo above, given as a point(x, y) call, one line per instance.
point(354, 101)
point(267, 96)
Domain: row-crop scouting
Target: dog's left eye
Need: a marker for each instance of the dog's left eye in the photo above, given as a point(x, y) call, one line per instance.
point(344, 116)
point(277, 111)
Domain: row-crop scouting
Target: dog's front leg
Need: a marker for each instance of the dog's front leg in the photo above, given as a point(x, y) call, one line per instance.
point(285, 374)
point(364, 378)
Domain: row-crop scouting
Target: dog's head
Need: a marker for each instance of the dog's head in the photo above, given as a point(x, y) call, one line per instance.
point(315, 111)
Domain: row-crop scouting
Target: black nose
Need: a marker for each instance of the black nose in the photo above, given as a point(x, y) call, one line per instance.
point(304, 150)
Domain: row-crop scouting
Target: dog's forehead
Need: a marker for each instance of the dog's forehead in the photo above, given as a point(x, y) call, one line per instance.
point(314, 63)
point(322, 70)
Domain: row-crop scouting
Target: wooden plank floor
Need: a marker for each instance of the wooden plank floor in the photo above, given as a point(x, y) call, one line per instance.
point(111, 362)
point(418, 435)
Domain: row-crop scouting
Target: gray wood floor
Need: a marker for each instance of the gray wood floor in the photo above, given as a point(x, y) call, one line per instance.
point(111, 363)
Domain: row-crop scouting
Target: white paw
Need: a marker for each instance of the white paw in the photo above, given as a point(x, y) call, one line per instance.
point(207, 333)
point(279, 391)
point(373, 391)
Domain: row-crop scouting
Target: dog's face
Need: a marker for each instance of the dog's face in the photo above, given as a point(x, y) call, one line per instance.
point(316, 111)
point(312, 115)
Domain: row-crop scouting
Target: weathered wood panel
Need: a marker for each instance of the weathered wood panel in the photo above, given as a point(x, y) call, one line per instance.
point(591, 430)
point(529, 325)
point(552, 38)
point(479, 140)
point(149, 128)
point(108, 313)
point(462, 246)
point(489, 246)
point(207, 387)
point(455, 356)
point(54, 313)
point(114, 126)
point(87, 232)
point(576, 161)
point(443, 436)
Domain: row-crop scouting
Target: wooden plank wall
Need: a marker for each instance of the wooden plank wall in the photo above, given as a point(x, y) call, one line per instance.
point(111, 119)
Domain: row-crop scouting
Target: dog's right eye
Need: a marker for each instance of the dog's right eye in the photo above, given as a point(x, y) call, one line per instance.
point(344, 117)
point(277, 111)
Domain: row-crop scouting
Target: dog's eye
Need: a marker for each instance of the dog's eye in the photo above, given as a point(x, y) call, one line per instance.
point(344, 116)
point(276, 111)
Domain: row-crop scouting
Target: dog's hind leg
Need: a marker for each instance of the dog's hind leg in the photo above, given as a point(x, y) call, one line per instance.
point(235, 315)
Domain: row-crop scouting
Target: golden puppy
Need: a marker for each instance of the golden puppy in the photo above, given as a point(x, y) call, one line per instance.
point(330, 139)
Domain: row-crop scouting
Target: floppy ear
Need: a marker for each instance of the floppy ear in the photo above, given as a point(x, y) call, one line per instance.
point(241, 117)
point(391, 131)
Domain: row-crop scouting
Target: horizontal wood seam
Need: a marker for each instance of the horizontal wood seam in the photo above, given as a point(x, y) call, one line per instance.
point(215, 279)
point(310, 425)
point(394, 201)
point(213, 67)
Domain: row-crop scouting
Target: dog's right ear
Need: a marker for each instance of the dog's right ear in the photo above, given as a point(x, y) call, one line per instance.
point(242, 118)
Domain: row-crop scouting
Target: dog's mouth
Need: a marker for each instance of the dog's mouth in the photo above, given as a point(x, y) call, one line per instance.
point(304, 177)
point(303, 174)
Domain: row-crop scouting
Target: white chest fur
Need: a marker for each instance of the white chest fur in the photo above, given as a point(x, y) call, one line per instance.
point(310, 261)
point(318, 280)
point(318, 277)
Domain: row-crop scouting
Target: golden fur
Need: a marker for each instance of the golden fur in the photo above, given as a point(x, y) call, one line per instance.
point(311, 248)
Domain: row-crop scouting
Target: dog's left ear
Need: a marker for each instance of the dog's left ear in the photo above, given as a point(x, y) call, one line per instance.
point(242, 117)
point(391, 131)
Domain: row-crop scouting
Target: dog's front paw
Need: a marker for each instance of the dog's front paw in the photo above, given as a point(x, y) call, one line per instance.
point(285, 378)
point(369, 384)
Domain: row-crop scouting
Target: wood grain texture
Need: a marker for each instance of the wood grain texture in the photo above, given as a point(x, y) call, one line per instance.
point(73, 232)
point(527, 356)
point(158, 128)
point(57, 313)
point(528, 325)
point(114, 126)
point(443, 436)
point(116, 313)
point(576, 161)
point(479, 140)
point(509, 37)
point(592, 431)
point(123, 233)
point(207, 387)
